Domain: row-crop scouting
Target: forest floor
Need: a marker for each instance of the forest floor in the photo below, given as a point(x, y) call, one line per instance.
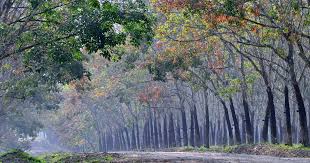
point(263, 153)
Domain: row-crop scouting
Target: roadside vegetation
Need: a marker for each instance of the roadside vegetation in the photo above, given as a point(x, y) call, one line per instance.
point(278, 150)
point(18, 156)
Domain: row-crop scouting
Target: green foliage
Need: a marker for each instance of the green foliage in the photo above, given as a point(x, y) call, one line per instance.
point(51, 49)
point(202, 149)
point(16, 155)
point(188, 149)
point(85, 158)
point(229, 149)
point(55, 157)
point(160, 69)
point(288, 147)
point(230, 7)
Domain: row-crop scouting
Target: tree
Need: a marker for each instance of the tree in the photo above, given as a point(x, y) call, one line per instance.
point(48, 36)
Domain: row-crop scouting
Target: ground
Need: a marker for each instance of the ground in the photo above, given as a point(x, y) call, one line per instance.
point(250, 153)
point(209, 157)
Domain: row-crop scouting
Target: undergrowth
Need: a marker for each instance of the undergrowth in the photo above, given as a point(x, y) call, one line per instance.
point(18, 156)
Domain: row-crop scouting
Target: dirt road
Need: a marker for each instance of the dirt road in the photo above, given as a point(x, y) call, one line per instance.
point(204, 157)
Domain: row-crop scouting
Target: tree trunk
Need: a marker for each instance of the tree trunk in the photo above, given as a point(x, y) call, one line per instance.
point(178, 133)
point(202, 134)
point(160, 135)
point(116, 141)
point(243, 129)
point(288, 117)
point(148, 138)
point(273, 122)
point(230, 134)
point(108, 142)
point(270, 112)
point(151, 129)
point(105, 147)
point(145, 135)
point(184, 128)
point(111, 142)
point(212, 137)
point(156, 132)
point(123, 140)
point(225, 141)
point(280, 132)
point(256, 133)
point(298, 96)
point(309, 115)
point(266, 123)
point(192, 132)
point(294, 127)
point(100, 143)
point(127, 138)
point(133, 137)
point(165, 132)
point(138, 135)
point(207, 123)
point(249, 131)
point(197, 130)
point(219, 132)
point(236, 123)
point(172, 142)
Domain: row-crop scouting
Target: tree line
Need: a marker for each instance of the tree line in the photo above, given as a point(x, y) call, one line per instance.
point(215, 73)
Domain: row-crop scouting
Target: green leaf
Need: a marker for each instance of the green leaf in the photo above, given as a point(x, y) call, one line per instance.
point(94, 3)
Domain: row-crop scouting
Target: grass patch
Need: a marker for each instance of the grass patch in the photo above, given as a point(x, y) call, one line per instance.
point(188, 149)
point(229, 149)
point(204, 149)
point(280, 150)
point(55, 157)
point(287, 147)
point(18, 156)
point(79, 157)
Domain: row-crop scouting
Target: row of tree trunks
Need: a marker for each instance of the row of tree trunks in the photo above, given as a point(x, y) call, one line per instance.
point(171, 134)
point(218, 133)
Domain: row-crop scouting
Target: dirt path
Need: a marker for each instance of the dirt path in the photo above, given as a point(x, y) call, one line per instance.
point(204, 157)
